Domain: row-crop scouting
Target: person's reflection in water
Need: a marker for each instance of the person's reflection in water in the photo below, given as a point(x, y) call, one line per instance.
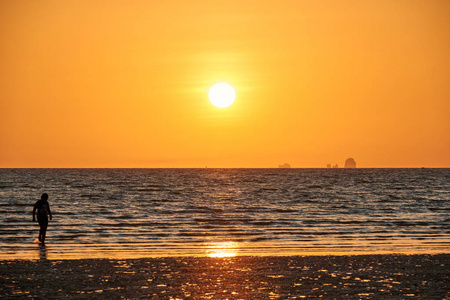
point(43, 253)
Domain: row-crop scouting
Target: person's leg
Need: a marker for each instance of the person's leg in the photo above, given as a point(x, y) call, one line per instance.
point(40, 233)
point(43, 223)
point(44, 231)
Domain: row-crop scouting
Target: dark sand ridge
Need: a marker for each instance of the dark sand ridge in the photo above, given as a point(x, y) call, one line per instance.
point(244, 277)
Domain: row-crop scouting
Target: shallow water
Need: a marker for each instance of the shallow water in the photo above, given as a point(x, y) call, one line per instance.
point(226, 212)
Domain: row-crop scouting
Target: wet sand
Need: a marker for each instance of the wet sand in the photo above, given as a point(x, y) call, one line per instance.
point(242, 277)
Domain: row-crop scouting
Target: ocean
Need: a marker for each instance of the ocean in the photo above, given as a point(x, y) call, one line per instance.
point(123, 213)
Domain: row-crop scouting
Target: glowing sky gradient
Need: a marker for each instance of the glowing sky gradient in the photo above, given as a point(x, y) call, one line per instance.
point(125, 83)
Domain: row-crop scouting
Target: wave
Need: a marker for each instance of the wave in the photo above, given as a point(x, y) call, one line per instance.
point(439, 208)
point(148, 189)
point(410, 224)
point(91, 197)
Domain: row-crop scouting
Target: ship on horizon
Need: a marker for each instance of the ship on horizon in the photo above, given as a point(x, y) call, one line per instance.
point(284, 166)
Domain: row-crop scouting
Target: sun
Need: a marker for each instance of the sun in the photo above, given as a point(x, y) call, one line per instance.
point(221, 95)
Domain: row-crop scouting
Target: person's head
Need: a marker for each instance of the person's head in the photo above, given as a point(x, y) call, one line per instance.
point(44, 197)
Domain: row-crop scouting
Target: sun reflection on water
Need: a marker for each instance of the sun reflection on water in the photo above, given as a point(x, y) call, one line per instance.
point(222, 249)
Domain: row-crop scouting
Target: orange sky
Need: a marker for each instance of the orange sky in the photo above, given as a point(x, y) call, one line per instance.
point(125, 83)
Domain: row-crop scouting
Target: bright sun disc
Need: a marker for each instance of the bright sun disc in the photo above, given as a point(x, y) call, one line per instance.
point(221, 95)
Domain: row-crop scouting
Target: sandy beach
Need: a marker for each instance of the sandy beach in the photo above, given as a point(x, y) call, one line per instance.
point(243, 277)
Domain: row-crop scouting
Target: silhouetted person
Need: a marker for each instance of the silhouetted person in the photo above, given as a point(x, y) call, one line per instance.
point(43, 212)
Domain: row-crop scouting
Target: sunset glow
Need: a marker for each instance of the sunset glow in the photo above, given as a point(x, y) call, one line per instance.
point(223, 249)
point(125, 84)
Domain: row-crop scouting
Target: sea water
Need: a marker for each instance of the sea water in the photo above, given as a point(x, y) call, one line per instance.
point(225, 212)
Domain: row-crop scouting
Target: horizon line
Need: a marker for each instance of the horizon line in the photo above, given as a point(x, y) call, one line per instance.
point(222, 168)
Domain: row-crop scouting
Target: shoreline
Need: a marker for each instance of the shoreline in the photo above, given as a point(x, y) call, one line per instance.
point(222, 249)
point(395, 276)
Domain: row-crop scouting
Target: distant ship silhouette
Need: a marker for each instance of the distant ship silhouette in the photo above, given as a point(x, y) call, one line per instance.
point(350, 163)
point(284, 166)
